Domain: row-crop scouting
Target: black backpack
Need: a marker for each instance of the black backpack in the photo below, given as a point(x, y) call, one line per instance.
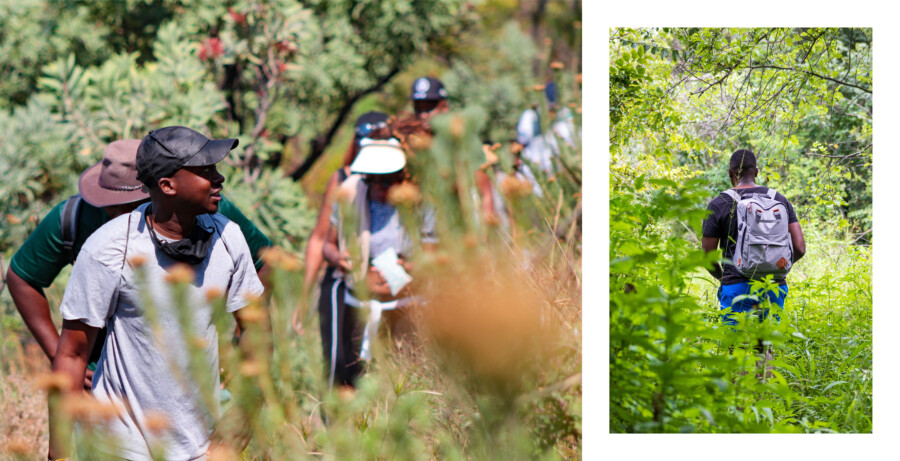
point(68, 225)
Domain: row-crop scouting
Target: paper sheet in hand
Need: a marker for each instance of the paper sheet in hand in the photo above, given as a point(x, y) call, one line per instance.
point(392, 271)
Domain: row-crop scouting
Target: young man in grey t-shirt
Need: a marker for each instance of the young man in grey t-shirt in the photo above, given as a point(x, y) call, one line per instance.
point(144, 368)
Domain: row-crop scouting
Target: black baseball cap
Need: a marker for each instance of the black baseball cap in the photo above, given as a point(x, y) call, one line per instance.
point(166, 150)
point(369, 122)
point(429, 89)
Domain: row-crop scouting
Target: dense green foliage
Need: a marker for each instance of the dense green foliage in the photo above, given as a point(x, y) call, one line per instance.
point(264, 71)
point(681, 100)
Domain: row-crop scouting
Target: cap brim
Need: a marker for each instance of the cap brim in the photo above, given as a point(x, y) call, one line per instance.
point(427, 97)
point(378, 159)
point(91, 192)
point(213, 152)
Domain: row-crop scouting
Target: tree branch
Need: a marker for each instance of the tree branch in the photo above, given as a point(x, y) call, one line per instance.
point(839, 82)
point(859, 152)
point(319, 144)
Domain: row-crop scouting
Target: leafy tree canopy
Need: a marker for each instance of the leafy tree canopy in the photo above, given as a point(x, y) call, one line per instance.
point(800, 98)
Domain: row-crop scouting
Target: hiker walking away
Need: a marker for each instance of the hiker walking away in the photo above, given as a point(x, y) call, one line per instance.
point(533, 143)
point(365, 127)
point(338, 324)
point(144, 368)
point(429, 98)
point(383, 244)
point(107, 189)
point(757, 230)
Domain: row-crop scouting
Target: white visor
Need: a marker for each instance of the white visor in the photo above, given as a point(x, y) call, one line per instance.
point(378, 157)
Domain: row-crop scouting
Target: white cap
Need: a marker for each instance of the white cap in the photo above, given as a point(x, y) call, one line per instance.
point(378, 157)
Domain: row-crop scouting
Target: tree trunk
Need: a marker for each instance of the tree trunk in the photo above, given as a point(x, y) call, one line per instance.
point(537, 17)
point(318, 145)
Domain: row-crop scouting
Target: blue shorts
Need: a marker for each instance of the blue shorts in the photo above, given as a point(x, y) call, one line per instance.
point(727, 293)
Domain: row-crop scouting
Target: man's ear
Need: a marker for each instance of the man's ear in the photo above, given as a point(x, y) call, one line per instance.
point(167, 185)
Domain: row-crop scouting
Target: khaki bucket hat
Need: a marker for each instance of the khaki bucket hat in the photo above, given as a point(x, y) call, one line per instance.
point(113, 180)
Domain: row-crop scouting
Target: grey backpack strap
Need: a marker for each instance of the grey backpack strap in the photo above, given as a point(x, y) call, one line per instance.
point(771, 193)
point(734, 195)
point(68, 225)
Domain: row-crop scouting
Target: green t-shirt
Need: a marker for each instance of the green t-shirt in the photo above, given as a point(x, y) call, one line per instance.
point(42, 256)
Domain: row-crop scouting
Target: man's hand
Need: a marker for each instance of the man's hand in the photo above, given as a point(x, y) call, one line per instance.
point(376, 283)
point(378, 286)
point(344, 263)
point(88, 377)
point(515, 147)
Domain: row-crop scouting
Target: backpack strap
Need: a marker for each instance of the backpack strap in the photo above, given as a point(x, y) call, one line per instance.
point(68, 225)
point(127, 237)
point(733, 194)
point(222, 239)
point(771, 193)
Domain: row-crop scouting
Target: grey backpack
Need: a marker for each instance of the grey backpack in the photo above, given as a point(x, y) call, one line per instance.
point(764, 244)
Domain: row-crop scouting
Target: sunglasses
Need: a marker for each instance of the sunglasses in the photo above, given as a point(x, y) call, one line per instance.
point(382, 179)
point(424, 106)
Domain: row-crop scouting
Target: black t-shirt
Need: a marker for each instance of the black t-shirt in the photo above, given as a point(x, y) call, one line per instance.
point(722, 224)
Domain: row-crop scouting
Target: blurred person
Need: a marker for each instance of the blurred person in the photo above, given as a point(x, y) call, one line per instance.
point(365, 125)
point(337, 323)
point(492, 167)
point(535, 145)
point(429, 98)
point(521, 170)
point(145, 367)
point(379, 167)
point(107, 189)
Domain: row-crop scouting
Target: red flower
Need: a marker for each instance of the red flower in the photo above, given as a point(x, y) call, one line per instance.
point(211, 48)
point(239, 18)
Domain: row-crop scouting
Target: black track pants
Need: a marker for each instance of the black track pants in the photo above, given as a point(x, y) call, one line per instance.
point(341, 333)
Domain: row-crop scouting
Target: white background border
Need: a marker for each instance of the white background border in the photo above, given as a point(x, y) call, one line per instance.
point(598, 18)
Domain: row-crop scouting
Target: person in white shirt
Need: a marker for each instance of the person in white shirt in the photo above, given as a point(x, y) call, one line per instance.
point(144, 367)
